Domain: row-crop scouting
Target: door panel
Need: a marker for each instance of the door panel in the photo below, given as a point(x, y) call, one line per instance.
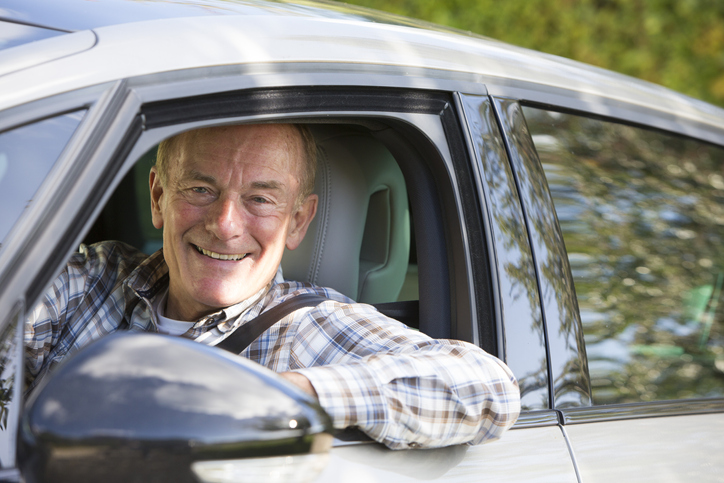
point(681, 448)
point(522, 455)
point(641, 215)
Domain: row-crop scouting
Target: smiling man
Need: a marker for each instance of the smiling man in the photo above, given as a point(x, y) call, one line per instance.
point(229, 200)
point(227, 211)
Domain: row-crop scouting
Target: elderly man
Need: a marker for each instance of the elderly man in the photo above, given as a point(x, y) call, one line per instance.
point(229, 199)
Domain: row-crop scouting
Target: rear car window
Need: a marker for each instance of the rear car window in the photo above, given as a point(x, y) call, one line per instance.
point(642, 217)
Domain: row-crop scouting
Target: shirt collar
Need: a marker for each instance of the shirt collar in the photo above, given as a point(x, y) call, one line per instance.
point(150, 279)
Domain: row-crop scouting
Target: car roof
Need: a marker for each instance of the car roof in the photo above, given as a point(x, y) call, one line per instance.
point(76, 15)
point(130, 38)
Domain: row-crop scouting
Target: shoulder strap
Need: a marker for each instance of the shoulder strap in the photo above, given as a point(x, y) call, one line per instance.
point(249, 332)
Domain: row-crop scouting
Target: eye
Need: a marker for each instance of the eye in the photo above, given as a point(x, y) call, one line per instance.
point(199, 189)
point(260, 200)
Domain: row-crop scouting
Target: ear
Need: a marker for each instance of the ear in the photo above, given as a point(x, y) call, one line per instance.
point(156, 187)
point(300, 221)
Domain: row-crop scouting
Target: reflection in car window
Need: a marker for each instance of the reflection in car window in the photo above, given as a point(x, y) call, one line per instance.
point(11, 357)
point(26, 155)
point(642, 216)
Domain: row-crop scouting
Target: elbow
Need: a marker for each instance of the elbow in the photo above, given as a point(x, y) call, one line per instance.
point(501, 409)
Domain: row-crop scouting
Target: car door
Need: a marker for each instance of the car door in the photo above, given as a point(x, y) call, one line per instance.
point(624, 211)
point(445, 168)
point(464, 288)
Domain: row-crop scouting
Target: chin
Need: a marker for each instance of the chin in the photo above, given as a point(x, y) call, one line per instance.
point(222, 300)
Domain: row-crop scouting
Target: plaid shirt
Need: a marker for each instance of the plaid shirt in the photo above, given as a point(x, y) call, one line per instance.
point(394, 383)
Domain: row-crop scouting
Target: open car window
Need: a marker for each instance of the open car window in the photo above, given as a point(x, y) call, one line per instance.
point(360, 187)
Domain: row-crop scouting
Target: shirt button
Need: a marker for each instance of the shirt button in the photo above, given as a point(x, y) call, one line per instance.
point(413, 445)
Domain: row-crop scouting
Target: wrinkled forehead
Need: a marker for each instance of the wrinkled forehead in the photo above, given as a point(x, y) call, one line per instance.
point(276, 146)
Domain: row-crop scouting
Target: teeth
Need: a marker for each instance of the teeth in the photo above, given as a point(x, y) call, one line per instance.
point(219, 256)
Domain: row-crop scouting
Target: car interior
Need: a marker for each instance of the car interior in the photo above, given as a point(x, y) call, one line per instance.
point(360, 242)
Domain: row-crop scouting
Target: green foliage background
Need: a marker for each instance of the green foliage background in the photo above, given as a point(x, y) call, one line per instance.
point(676, 43)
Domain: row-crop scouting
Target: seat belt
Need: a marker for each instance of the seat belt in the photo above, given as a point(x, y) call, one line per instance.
point(243, 336)
point(407, 312)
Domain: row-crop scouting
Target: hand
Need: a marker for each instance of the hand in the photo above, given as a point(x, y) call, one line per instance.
point(300, 381)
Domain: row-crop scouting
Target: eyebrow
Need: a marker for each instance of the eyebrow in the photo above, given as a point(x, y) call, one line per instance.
point(197, 176)
point(263, 185)
point(266, 185)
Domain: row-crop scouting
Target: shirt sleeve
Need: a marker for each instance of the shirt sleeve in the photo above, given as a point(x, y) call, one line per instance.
point(399, 386)
point(53, 327)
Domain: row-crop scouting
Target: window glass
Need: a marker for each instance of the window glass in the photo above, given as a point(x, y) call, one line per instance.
point(26, 155)
point(642, 216)
point(11, 357)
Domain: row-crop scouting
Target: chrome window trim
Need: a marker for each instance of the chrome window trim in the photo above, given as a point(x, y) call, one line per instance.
point(601, 105)
point(613, 412)
point(537, 419)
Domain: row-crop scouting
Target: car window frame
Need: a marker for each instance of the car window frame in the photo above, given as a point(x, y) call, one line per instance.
point(124, 121)
point(512, 97)
point(26, 267)
point(519, 318)
point(365, 104)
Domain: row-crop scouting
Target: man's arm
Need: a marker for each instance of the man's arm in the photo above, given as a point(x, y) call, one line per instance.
point(397, 385)
point(301, 382)
point(80, 305)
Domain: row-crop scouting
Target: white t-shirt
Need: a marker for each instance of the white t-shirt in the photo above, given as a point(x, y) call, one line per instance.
point(166, 325)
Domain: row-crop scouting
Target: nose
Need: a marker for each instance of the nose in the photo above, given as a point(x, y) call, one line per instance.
point(225, 219)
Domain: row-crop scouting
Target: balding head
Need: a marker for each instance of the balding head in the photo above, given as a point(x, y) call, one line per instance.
point(299, 140)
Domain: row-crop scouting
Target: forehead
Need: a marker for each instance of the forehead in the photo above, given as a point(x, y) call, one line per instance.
point(271, 147)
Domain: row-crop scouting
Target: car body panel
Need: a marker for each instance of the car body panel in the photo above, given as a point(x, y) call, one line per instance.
point(531, 454)
point(679, 448)
point(35, 53)
point(182, 43)
point(74, 15)
point(13, 34)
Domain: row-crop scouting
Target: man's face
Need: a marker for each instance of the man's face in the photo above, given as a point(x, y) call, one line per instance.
point(228, 208)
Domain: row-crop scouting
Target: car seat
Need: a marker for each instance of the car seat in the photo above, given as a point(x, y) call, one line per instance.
point(359, 241)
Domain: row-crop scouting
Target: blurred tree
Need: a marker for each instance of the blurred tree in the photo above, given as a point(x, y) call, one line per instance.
point(675, 43)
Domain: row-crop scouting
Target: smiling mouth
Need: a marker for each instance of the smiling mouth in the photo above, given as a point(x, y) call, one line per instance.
point(220, 256)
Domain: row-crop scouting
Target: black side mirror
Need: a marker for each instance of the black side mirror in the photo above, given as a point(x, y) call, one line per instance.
point(146, 407)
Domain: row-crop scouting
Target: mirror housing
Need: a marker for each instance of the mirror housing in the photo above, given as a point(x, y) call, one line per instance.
point(146, 407)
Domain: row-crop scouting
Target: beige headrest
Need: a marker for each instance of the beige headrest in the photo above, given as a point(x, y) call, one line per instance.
point(359, 241)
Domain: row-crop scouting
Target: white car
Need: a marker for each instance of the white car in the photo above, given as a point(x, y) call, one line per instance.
point(567, 219)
